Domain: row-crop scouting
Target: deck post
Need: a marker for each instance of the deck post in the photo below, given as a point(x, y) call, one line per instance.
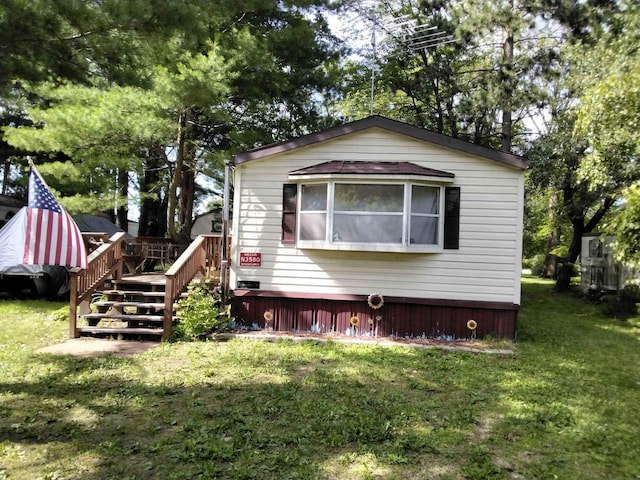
point(169, 298)
point(224, 261)
point(119, 260)
point(73, 306)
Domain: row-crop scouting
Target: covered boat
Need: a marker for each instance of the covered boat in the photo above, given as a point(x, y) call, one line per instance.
point(16, 278)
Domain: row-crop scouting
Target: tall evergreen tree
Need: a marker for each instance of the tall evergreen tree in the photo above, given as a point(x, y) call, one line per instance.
point(243, 75)
point(482, 87)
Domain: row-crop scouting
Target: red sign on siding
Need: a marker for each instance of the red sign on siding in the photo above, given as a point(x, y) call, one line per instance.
point(250, 259)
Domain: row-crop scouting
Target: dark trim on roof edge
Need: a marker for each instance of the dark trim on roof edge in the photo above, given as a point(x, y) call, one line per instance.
point(7, 201)
point(341, 167)
point(386, 124)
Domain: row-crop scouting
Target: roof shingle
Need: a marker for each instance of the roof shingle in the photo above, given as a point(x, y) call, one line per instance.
point(370, 168)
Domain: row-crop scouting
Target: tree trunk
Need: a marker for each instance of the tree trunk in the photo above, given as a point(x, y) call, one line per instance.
point(187, 195)
point(567, 264)
point(177, 224)
point(439, 111)
point(551, 260)
point(453, 124)
point(153, 208)
point(6, 170)
point(507, 84)
point(123, 192)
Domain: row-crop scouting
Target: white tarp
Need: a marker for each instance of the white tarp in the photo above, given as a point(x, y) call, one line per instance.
point(47, 280)
point(12, 240)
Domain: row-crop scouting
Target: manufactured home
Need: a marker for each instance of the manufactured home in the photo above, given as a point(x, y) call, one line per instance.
point(377, 227)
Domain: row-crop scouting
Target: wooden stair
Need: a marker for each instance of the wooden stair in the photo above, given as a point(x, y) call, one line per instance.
point(132, 307)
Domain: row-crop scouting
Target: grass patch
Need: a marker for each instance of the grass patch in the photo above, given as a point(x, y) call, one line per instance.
point(565, 406)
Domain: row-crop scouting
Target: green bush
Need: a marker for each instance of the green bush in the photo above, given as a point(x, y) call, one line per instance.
point(631, 291)
point(60, 315)
point(624, 305)
point(536, 264)
point(200, 313)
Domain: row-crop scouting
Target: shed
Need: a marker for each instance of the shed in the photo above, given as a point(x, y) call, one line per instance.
point(377, 227)
point(207, 223)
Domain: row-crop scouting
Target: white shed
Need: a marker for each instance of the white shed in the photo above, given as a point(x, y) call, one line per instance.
point(207, 223)
point(380, 224)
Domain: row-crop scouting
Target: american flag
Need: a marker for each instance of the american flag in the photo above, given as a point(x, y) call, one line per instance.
point(52, 238)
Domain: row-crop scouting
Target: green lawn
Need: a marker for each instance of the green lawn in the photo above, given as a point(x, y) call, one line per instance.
point(566, 406)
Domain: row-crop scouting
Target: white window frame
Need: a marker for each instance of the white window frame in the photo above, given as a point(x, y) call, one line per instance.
point(329, 244)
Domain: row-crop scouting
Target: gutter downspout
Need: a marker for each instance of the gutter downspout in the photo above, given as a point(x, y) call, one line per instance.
point(224, 262)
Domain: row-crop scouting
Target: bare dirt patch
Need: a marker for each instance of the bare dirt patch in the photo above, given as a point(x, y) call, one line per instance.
point(464, 345)
point(93, 347)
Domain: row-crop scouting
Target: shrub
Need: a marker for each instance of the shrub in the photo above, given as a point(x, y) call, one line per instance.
point(200, 313)
point(624, 305)
point(536, 264)
point(60, 315)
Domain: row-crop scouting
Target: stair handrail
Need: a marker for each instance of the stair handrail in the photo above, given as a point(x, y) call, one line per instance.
point(199, 257)
point(103, 263)
point(185, 268)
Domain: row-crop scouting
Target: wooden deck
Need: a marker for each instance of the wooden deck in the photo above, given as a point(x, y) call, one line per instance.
point(137, 303)
point(152, 278)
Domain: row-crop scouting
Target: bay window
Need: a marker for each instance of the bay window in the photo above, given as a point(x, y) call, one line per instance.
point(349, 215)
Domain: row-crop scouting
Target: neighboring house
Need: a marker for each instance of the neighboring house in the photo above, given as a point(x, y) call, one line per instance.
point(207, 223)
point(133, 226)
point(599, 272)
point(378, 212)
point(96, 223)
point(100, 223)
point(9, 206)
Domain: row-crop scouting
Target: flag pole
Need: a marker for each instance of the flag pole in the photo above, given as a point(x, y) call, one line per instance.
point(53, 237)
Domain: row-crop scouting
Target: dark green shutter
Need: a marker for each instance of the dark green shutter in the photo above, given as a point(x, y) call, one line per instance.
point(452, 218)
point(289, 213)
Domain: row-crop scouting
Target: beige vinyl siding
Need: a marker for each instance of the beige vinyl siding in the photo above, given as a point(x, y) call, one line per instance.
point(485, 268)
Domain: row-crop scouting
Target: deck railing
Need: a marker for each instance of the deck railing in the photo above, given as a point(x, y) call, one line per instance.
point(104, 262)
point(202, 256)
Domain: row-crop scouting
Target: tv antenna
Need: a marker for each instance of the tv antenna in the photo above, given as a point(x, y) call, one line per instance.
point(403, 29)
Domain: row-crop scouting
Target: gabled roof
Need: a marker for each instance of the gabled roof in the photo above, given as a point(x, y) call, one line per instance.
point(377, 121)
point(96, 223)
point(368, 168)
point(6, 201)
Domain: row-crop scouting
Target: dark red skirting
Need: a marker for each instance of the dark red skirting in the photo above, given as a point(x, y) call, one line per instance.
point(400, 316)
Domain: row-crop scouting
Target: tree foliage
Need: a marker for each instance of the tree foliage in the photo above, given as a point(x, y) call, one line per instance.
point(555, 161)
point(609, 117)
point(45, 40)
point(482, 87)
point(222, 79)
